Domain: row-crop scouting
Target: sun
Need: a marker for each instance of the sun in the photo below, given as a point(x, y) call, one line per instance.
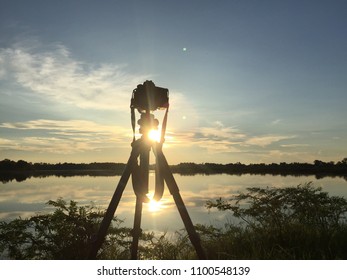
point(154, 135)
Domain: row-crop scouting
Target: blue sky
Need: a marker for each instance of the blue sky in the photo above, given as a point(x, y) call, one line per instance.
point(249, 81)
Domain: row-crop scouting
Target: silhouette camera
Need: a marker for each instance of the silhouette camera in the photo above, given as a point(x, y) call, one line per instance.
point(148, 97)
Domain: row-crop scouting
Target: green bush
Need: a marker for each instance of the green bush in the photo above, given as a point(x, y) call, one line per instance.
point(64, 234)
point(300, 222)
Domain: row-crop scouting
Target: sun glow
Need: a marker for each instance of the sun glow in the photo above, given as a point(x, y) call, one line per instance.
point(154, 206)
point(154, 135)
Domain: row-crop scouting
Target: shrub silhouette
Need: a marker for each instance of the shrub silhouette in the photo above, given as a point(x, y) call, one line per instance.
point(300, 222)
point(64, 234)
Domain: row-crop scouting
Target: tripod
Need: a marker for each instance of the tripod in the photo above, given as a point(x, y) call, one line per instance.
point(140, 173)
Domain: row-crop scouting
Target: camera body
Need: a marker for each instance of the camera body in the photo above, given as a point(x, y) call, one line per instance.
point(148, 97)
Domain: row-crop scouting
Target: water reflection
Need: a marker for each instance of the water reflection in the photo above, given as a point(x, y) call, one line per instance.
point(29, 197)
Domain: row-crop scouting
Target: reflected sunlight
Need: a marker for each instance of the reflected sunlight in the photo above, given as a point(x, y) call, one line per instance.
point(154, 206)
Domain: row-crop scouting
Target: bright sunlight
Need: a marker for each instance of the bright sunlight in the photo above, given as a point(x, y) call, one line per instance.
point(154, 135)
point(154, 206)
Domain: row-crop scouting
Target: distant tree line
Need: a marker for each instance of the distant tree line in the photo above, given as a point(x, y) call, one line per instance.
point(318, 168)
point(22, 165)
point(21, 170)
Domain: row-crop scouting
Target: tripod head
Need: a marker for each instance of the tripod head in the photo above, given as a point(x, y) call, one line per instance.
point(147, 123)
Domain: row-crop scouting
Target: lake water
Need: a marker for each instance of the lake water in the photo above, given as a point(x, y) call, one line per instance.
point(28, 197)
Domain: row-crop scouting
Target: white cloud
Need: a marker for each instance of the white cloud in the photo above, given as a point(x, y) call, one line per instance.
point(77, 126)
point(213, 146)
point(56, 75)
point(219, 138)
point(65, 137)
point(216, 138)
point(294, 145)
point(6, 143)
point(219, 131)
point(266, 140)
point(275, 122)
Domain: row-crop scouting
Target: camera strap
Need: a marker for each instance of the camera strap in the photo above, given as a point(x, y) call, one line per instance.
point(163, 127)
point(133, 121)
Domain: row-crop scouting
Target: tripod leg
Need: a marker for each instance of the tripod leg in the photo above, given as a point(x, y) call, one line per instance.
point(140, 197)
point(105, 224)
point(136, 231)
point(174, 190)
